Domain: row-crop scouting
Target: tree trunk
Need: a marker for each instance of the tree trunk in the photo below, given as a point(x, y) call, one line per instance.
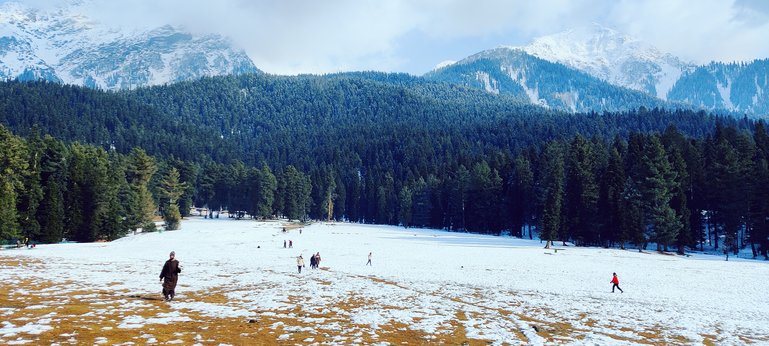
point(753, 248)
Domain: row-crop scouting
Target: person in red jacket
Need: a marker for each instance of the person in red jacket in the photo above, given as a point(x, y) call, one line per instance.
point(615, 282)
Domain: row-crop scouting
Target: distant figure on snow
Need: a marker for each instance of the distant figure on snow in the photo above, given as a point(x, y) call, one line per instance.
point(369, 260)
point(290, 244)
point(312, 262)
point(300, 231)
point(169, 275)
point(317, 260)
point(299, 263)
point(615, 282)
point(284, 244)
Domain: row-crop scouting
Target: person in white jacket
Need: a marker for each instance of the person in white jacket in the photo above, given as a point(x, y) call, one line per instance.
point(300, 263)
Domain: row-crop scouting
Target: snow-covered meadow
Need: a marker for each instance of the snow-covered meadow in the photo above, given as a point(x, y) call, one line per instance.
point(428, 282)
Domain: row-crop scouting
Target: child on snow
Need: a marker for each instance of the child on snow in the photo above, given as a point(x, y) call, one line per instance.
point(615, 282)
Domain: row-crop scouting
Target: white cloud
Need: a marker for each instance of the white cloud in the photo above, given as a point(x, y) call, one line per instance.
point(700, 31)
point(294, 36)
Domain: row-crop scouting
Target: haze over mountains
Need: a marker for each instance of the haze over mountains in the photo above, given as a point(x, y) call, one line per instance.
point(591, 68)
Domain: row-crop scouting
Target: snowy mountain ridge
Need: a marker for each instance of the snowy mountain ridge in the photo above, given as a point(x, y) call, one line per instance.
point(613, 57)
point(530, 79)
point(63, 45)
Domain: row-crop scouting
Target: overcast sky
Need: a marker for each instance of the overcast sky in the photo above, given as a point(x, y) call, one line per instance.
point(319, 36)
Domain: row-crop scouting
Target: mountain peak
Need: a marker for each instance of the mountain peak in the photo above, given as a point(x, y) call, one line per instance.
point(612, 56)
point(62, 44)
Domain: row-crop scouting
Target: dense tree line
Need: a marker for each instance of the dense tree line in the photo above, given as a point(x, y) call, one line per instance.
point(667, 189)
point(380, 148)
point(54, 191)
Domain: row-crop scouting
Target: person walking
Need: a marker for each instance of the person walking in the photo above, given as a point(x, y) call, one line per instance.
point(290, 243)
point(284, 244)
point(312, 262)
point(169, 276)
point(299, 263)
point(615, 282)
point(369, 260)
point(317, 260)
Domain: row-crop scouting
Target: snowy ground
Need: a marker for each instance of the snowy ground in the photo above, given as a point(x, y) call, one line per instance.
point(424, 286)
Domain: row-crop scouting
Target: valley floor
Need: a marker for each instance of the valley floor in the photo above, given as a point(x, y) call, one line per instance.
point(240, 286)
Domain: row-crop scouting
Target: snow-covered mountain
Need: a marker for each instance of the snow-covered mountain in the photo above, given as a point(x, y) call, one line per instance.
point(63, 45)
point(512, 71)
point(612, 56)
point(742, 87)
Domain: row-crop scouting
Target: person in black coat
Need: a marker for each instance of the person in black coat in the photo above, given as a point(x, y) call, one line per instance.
point(169, 276)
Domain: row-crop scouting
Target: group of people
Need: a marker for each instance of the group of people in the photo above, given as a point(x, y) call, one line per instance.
point(169, 275)
point(26, 244)
point(314, 262)
point(290, 244)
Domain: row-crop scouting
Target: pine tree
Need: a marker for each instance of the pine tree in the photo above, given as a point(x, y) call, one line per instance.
point(457, 199)
point(113, 226)
point(633, 225)
point(171, 190)
point(266, 196)
point(13, 165)
point(553, 181)
point(580, 194)
point(611, 201)
point(296, 188)
point(759, 203)
point(679, 199)
point(86, 198)
point(51, 213)
point(31, 194)
point(521, 195)
point(658, 180)
point(405, 206)
point(421, 209)
point(140, 169)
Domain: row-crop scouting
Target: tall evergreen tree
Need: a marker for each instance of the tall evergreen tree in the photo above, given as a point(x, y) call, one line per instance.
point(611, 201)
point(553, 181)
point(656, 187)
point(580, 194)
point(405, 203)
point(521, 195)
point(140, 169)
point(171, 190)
point(53, 169)
point(13, 165)
point(28, 201)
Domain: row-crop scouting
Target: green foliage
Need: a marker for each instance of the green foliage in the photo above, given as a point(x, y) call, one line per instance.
point(375, 148)
point(172, 217)
point(13, 168)
point(294, 188)
point(140, 168)
point(171, 190)
point(553, 181)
